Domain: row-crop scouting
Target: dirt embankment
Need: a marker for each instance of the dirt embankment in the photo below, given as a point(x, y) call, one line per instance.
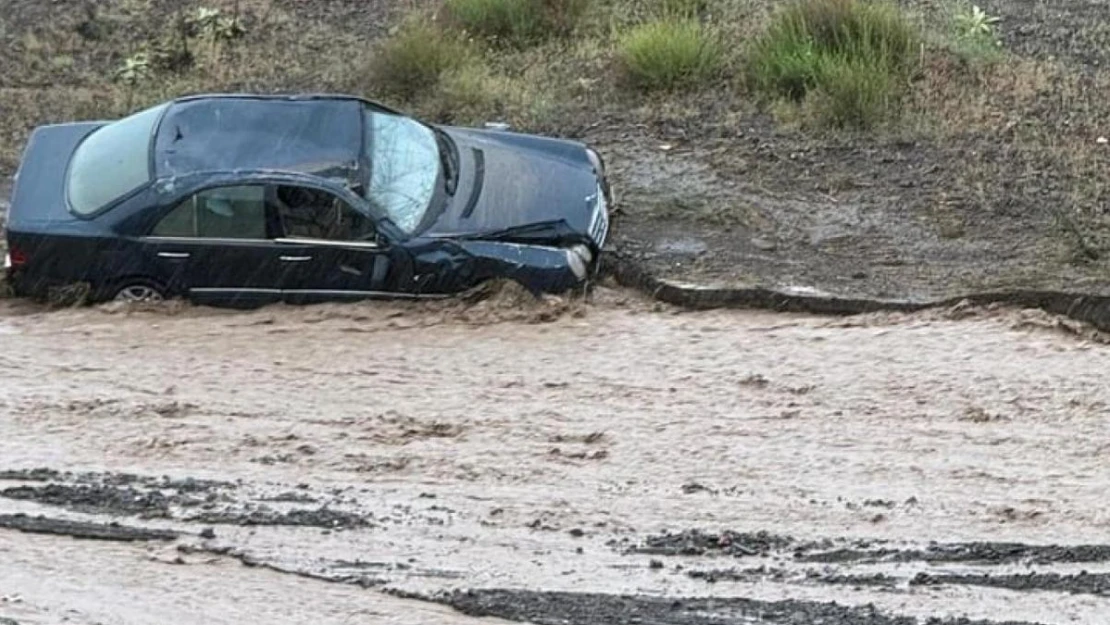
point(614, 462)
point(997, 190)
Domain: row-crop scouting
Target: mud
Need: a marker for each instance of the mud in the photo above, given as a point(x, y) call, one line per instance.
point(97, 531)
point(741, 544)
point(196, 501)
point(967, 553)
point(697, 543)
point(588, 609)
point(1081, 583)
point(617, 455)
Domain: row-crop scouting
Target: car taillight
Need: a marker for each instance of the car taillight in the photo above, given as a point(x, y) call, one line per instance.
point(17, 257)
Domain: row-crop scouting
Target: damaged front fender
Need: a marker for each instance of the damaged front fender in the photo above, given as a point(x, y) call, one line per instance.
point(540, 268)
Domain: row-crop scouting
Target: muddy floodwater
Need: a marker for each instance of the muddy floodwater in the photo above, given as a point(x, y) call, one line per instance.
point(609, 462)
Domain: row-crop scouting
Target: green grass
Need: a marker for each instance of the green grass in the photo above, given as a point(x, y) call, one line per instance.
point(669, 54)
point(516, 22)
point(851, 55)
point(971, 34)
point(851, 92)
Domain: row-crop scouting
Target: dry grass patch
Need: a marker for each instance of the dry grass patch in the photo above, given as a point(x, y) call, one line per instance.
point(413, 60)
point(516, 22)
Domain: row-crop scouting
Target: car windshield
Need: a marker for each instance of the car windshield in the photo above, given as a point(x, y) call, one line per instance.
point(404, 167)
point(111, 162)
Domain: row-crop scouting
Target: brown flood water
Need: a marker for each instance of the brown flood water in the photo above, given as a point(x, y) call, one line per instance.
point(491, 450)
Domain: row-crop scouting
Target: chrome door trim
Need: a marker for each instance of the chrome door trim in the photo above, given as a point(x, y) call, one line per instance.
point(369, 245)
point(234, 290)
point(340, 292)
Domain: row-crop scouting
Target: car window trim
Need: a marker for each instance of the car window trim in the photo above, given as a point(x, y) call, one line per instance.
point(286, 240)
point(194, 239)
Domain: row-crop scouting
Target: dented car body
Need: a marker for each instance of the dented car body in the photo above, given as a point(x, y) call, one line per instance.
point(231, 199)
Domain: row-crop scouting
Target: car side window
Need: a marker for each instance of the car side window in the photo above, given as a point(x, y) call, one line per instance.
point(308, 213)
point(236, 212)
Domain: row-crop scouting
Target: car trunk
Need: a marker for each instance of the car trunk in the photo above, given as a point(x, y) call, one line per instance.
point(41, 232)
point(38, 199)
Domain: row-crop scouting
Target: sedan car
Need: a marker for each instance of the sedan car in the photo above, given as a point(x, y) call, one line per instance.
point(239, 198)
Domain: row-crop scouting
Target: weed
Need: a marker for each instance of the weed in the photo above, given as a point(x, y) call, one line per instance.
point(972, 34)
point(135, 69)
point(975, 22)
point(516, 22)
point(670, 53)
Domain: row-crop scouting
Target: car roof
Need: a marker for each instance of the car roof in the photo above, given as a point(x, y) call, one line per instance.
point(316, 134)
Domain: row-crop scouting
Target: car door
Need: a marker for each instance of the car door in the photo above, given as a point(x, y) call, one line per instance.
point(336, 248)
point(217, 247)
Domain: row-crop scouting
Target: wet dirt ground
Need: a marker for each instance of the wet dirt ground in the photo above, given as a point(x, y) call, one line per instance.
point(606, 462)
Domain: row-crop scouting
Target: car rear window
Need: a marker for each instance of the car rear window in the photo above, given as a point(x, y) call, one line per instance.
point(112, 162)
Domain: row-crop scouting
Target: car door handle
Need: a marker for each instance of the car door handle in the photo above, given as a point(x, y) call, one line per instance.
point(173, 254)
point(295, 259)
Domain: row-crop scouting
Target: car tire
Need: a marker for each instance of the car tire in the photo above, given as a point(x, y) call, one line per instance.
point(138, 290)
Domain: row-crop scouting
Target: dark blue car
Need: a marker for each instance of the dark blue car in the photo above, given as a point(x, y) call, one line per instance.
point(231, 199)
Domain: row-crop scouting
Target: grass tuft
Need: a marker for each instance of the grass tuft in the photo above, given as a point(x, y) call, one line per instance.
point(412, 61)
point(669, 54)
point(851, 56)
point(516, 22)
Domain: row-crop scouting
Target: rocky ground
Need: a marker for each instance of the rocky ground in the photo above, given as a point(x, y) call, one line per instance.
point(609, 462)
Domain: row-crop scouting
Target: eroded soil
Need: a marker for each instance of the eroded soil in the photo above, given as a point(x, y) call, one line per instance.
point(614, 461)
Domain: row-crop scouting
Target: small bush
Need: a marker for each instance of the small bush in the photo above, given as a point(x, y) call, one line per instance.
point(668, 54)
point(412, 60)
point(469, 95)
point(852, 55)
point(516, 22)
point(851, 93)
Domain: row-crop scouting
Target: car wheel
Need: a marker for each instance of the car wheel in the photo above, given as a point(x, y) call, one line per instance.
point(139, 291)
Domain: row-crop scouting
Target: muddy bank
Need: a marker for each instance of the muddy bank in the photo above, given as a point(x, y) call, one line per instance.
point(1090, 310)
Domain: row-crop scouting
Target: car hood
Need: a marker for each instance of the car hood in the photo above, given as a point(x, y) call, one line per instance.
point(515, 182)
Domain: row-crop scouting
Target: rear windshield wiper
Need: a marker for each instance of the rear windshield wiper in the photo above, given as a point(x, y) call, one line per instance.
point(449, 159)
